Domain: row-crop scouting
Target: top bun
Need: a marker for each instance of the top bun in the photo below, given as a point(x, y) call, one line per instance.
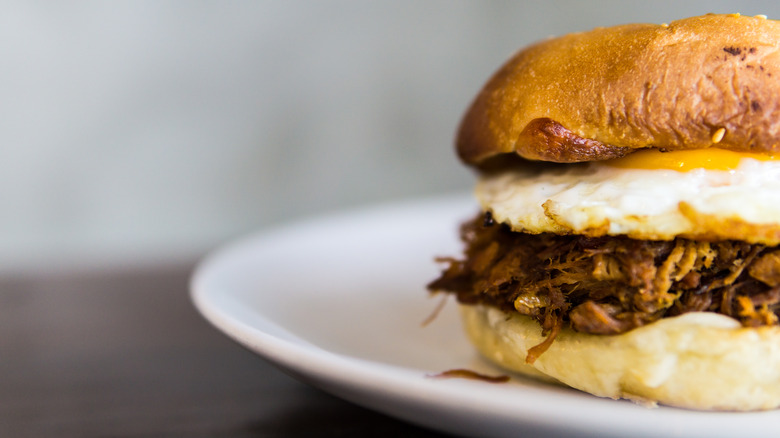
point(596, 95)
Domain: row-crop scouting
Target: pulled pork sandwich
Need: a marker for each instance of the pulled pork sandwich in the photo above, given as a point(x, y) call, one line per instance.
point(628, 240)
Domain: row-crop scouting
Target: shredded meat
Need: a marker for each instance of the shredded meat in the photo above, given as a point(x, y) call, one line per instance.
point(609, 285)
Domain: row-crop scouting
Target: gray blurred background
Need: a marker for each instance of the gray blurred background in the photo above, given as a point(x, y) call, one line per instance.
point(143, 132)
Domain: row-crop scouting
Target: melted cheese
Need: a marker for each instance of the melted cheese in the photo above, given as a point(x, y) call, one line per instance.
point(686, 160)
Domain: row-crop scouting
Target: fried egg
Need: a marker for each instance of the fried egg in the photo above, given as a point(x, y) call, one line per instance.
point(710, 194)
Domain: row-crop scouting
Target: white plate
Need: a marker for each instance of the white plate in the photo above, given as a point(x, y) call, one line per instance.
point(338, 302)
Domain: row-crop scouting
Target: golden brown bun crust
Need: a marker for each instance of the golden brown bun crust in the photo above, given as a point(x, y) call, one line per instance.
point(599, 94)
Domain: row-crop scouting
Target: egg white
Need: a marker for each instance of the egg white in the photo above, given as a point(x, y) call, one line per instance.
point(658, 204)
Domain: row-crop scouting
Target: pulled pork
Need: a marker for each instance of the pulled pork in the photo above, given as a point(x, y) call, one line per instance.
point(609, 285)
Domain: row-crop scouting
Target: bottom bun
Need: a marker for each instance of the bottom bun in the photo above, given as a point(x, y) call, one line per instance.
point(700, 360)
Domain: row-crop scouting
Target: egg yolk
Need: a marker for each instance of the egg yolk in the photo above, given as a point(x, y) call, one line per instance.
point(686, 160)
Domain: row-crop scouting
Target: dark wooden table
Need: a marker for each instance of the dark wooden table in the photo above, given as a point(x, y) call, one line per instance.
point(123, 353)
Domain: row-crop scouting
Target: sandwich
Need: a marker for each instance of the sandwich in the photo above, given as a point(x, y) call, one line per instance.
point(628, 238)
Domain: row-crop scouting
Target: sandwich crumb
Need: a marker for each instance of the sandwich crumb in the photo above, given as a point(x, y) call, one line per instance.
point(436, 311)
point(717, 136)
point(463, 373)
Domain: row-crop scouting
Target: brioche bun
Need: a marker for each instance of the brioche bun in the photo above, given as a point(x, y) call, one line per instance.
point(697, 360)
point(601, 94)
